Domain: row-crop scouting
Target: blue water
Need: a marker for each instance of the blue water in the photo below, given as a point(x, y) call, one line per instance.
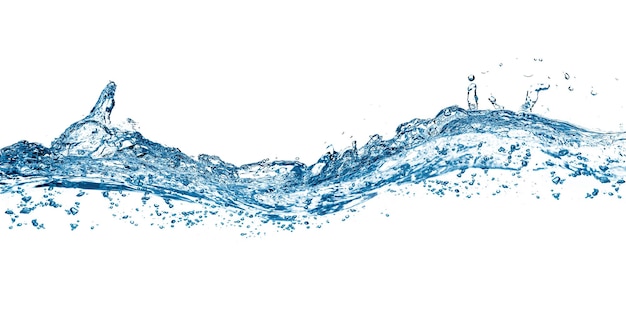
point(457, 153)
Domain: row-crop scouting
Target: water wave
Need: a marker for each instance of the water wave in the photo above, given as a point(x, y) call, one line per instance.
point(524, 151)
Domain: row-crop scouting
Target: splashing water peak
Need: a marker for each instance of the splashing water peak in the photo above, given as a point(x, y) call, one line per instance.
point(101, 112)
point(92, 135)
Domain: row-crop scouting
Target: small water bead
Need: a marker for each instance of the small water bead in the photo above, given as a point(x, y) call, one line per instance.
point(566, 75)
point(593, 92)
point(570, 88)
point(471, 78)
point(36, 223)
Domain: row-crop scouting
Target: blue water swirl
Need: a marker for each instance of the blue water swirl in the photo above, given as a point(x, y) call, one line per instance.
point(93, 155)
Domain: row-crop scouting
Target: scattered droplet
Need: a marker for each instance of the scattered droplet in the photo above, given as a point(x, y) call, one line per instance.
point(593, 92)
point(492, 99)
point(471, 78)
point(566, 76)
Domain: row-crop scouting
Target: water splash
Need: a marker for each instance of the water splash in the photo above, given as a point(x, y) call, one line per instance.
point(459, 153)
point(472, 97)
point(532, 96)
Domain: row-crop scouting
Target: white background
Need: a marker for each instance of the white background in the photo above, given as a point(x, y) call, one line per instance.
point(248, 80)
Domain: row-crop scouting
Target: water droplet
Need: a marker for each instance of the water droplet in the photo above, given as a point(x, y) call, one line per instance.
point(566, 75)
point(593, 92)
point(471, 78)
point(570, 88)
point(541, 87)
point(492, 99)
